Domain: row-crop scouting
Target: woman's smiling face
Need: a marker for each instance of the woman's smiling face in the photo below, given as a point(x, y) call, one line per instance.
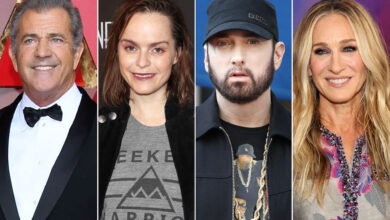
point(146, 53)
point(336, 66)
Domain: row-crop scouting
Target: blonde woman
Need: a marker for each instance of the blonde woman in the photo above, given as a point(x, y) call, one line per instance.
point(341, 115)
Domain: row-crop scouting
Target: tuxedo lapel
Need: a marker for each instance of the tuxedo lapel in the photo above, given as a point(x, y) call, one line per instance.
point(68, 158)
point(7, 199)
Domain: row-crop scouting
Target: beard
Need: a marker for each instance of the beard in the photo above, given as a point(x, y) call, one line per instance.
point(244, 165)
point(243, 92)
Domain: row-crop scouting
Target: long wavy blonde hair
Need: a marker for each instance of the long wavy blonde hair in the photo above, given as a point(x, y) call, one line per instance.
point(311, 166)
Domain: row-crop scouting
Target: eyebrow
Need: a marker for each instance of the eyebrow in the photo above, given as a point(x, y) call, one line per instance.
point(51, 35)
point(342, 42)
point(151, 45)
point(56, 35)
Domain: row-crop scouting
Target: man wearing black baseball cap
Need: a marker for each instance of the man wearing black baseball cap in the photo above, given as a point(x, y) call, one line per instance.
point(242, 51)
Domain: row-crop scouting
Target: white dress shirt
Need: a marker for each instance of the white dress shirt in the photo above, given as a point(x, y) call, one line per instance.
point(34, 150)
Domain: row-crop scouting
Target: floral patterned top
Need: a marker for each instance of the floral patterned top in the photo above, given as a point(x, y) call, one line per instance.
point(351, 192)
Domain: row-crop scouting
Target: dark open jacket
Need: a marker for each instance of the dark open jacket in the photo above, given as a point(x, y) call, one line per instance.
point(180, 129)
point(214, 164)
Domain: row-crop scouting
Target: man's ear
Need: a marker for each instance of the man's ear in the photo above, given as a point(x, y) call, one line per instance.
point(77, 55)
point(206, 58)
point(12, 55)
point(278, 54)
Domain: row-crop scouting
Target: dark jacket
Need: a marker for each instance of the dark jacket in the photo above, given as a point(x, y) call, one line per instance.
point(70, 191)
point(180, 129)
point(214, 164)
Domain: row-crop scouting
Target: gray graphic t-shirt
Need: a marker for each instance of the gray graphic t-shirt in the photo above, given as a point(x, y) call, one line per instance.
point(144, 183)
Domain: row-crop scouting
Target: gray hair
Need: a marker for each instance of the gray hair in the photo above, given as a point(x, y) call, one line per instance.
point(76, 26)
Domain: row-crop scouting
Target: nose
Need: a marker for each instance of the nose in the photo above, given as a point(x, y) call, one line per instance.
point(336, 64)
point(143, 59)
point(238, 57)
point(43, 49)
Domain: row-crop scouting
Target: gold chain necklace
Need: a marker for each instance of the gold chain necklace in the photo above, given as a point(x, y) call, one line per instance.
point(261, 200)
point(246, 184)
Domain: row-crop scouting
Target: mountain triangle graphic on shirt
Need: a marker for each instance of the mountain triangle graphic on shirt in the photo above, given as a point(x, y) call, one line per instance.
point(147, 193)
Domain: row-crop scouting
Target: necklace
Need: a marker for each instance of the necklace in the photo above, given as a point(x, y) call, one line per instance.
point(246, 184)
point(349, 182)
point(261, 197)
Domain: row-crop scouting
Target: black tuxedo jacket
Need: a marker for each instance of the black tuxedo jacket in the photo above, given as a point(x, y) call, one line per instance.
point(70, 191)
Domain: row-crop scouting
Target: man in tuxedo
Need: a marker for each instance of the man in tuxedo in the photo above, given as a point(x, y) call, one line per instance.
point(48, 134)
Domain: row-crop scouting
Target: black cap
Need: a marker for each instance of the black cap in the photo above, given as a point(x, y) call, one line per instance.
point(245, 149)
point(257, 16)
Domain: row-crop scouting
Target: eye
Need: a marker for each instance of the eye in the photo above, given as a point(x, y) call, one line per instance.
point(321, 51)
point(222, 43)
point(28, 41)
point(130, 48)
point(158, 50)
point(349, 49)
point(253, 41)
point(57, 40)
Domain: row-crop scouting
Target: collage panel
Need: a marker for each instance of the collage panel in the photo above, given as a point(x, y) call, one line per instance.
point(146, 115)
point(196, 109)
point(341, 118)
point(243, 132)
point(48, 116)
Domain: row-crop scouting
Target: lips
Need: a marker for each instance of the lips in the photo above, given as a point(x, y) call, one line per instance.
point(338, 82)
point(44, 67)
point(238, 74)
point(143, 76)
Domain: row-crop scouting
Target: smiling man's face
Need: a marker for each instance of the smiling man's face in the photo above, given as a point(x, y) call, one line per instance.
point(44, 55)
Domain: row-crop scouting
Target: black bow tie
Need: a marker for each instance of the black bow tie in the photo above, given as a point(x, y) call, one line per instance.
point(32, 116)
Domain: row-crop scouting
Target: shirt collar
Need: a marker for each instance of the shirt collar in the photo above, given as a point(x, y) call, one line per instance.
point(208, 118)
point(69, 103)
point(332, 139)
